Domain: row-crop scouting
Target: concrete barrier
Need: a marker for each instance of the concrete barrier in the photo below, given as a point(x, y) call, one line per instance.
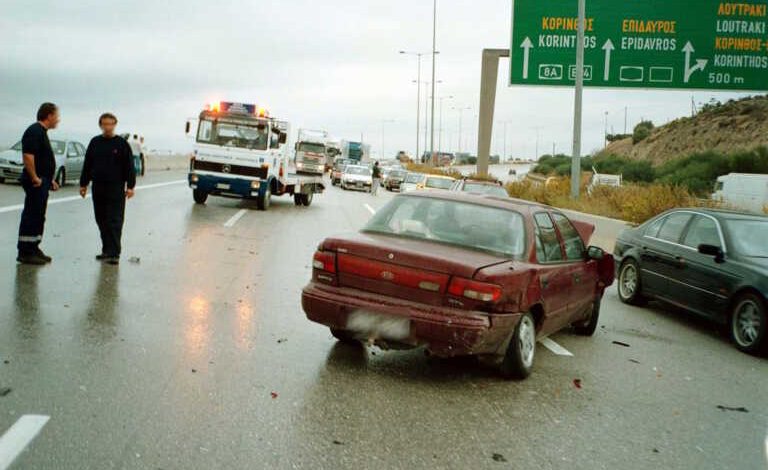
point(167, 162)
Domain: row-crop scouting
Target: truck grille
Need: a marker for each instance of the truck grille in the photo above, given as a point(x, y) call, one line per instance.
point(255, 172)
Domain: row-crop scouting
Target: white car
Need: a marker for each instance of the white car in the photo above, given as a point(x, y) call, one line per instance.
point(357, 177)
point(413, 182)
point(69, 155)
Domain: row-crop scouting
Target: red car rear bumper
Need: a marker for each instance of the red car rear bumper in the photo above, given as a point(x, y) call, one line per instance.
point(445, 331)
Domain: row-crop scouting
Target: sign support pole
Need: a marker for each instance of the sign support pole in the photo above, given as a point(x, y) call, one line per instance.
point(577, 104)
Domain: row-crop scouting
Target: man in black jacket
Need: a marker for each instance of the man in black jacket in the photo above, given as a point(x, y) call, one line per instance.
point(109, 165)
point(37, 180)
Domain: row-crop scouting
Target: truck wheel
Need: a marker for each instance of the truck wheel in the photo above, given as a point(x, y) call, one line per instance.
point(2, 180)
point(199, 196)
point(264, 201)
point(143, 165)
point(306, 199)
point(297, 199)
point(518, 360)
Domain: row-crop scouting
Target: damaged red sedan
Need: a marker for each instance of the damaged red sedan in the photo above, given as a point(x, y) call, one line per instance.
point(459, 275)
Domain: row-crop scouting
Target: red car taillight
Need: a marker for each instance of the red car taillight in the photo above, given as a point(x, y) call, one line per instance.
point(474, 290)
point(325, 261)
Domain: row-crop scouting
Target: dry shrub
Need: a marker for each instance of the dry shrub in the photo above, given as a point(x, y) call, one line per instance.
point(478, 177)
point(432, 170)
point(632, 202)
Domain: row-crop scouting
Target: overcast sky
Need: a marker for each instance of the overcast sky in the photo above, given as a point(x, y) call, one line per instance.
point(327, 64)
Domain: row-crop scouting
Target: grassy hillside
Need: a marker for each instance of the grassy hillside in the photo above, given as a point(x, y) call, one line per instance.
point(724, 128)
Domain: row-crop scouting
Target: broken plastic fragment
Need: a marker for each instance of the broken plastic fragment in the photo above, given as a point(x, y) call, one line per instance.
point(577, 383)
point(499, 458)
point(273, 395)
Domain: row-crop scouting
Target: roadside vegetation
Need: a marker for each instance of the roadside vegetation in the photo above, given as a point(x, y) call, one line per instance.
point(634, 203)
point(432, 170)
point(697, 172)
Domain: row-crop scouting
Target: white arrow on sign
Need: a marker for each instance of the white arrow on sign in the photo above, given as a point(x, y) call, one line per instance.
point(527, 45)
point(607, 47)
point(700, 63)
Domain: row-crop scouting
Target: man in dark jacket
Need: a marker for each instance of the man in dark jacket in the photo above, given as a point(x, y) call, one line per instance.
point(37, 180)
point(109, 165)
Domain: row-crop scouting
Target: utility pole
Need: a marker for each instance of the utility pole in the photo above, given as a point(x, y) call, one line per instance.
point(536, 157)
point(605, 131)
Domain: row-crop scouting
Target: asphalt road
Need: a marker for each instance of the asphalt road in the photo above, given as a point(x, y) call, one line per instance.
point(197, 355)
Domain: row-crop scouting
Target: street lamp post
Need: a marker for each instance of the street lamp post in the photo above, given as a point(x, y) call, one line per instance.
point(440, 124)
point(461, 116)
point(434, 60)
point(418, 93)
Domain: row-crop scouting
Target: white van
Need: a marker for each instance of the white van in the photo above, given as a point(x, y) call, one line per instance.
point(743, 191)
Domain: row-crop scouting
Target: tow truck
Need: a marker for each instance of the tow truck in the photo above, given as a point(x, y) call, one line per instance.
point(241, 151)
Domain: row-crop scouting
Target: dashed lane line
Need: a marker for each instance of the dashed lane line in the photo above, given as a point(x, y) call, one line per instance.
point(18, 437)
point(555, 348)
point(233, 220)
point(370, 209)
point(59, 200)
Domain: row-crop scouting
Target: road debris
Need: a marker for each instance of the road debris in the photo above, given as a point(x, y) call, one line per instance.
point(577, 383)
point(499, 458)
point(634, 361)
point(655, 450)
point(620, 343)
point(134, 260)
point(194, 371)
point(338, 442)
point(273, 395)
point(282, 340)
point(4, 391)
point(740, 409)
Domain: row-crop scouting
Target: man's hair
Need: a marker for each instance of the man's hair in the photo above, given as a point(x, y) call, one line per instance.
point(107, 116)
point(45, 110)
point(135, 136)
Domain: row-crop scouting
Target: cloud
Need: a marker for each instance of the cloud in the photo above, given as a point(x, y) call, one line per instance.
point(332, 64)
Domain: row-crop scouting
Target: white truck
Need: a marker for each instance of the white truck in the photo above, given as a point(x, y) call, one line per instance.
point(311, 152)
point(743, 191)
point(242, 152)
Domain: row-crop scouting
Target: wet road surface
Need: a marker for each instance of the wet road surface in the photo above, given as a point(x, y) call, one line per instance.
point(196, 355)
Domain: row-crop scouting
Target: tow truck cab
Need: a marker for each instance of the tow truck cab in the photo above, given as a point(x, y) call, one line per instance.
point(241, 152)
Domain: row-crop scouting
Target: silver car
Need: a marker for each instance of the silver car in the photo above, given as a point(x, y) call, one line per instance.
point(357, 177)
point(69, 155)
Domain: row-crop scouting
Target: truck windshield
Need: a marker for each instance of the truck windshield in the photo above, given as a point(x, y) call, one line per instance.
point(247, 135)
point(310, 147)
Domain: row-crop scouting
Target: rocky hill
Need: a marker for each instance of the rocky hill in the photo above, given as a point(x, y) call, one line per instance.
point(722, 127)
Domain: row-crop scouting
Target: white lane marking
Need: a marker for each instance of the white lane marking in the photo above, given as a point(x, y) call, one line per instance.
point(18, 437)
point(233, 220)
point(554, 347)
point(59, 200)
point(370, 209)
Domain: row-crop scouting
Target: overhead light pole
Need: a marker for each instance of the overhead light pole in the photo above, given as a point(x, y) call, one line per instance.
point(434, 61)
point(461, 117)
point(440, 124)
point(418, 94)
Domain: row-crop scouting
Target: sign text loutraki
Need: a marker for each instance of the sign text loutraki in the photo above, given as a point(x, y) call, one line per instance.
point(697, 44)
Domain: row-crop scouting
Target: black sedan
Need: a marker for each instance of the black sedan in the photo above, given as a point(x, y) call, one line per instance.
point(711, 262)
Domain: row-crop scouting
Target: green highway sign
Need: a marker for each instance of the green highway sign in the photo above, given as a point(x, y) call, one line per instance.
point(677, 44)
